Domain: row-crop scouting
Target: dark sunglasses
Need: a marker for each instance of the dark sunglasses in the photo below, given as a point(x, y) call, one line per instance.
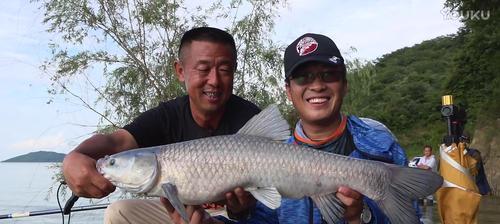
point(308, 78)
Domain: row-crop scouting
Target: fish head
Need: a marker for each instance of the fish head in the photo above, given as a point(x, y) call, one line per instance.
point(132, 171)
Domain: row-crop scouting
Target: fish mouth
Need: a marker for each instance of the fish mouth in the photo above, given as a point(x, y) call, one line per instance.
point(99, 164)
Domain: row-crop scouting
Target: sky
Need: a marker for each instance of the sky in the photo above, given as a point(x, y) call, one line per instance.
point(28, 123)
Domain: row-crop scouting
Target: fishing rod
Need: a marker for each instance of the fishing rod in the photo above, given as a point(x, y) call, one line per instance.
point(53, 211)
point(68, 208)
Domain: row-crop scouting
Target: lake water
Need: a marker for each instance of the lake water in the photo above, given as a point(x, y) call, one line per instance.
point(25, 187)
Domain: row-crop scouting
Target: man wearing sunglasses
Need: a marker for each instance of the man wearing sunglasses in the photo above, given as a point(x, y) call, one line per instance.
point(316, 84)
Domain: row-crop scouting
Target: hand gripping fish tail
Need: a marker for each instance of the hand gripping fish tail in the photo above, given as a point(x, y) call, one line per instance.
point(257, 159)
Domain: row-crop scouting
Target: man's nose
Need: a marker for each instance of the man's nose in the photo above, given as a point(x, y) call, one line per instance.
point(213, 77)
point(317, 83)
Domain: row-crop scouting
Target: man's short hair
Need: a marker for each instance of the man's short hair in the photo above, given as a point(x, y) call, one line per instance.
point(209, 34)
point(428, 146)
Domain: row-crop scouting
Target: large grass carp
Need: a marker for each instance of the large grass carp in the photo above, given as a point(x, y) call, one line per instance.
point(203, 170)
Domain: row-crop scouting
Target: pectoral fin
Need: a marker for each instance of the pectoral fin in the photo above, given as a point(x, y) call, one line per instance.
point(330, 206)
point(269, 196)
point(170, 191)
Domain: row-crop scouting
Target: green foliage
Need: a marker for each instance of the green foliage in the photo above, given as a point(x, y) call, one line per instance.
point(403, 90)
point(360, 80)
point(124, 51)
point(259, 77)
point(476, 74)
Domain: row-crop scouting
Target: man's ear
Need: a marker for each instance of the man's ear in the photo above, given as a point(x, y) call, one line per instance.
point(179, 70)
point(288, 93)
point(345, 90)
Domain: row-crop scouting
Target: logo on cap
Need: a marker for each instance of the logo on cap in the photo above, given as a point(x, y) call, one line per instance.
point(334, 59)
point(306, 46)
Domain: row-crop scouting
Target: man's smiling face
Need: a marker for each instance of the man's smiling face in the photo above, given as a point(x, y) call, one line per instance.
point(316, 91)
point(207, 70)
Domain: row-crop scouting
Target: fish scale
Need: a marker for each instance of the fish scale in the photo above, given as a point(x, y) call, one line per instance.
point(203, 170)
point(216, 164)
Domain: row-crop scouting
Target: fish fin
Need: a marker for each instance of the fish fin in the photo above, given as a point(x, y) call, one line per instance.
point(407, 184)
point(331, 208)
point(269, 196)
point(170, 191)
point(269, 124)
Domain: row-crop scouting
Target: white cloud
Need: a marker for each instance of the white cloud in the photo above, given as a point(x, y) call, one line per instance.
point(41, 143)
point(22, 25)
point(373, 27)
point(7, 57)
point(23, 44)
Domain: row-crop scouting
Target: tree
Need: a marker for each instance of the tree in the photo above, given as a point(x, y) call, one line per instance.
point(475, 77)
point(360, 76)
point(130, 47)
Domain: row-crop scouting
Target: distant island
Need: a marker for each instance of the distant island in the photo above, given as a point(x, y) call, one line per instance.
point(38, 157)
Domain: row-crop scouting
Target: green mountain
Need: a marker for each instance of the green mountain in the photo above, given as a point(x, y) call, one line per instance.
point(38, 157)
point(403, 90)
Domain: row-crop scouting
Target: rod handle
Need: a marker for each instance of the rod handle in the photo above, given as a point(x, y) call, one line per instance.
point(69, 204)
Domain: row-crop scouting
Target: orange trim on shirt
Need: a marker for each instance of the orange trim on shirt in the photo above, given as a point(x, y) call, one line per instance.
point(337, 133)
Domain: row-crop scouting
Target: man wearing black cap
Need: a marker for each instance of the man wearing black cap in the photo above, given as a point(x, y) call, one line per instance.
point(315, 79)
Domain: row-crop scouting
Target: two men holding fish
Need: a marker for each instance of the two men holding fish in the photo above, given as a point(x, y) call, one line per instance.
point(316, 85)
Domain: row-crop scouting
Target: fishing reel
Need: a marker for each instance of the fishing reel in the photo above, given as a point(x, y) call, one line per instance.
point(456, 117)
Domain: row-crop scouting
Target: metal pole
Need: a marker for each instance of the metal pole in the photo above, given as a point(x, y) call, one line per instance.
point(448, 120)
point(53, 211)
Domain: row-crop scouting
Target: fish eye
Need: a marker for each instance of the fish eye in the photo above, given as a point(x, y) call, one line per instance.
point(112, 162)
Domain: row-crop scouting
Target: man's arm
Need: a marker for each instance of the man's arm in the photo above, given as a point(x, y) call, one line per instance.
point(425, 167)
point(79, 166)
point(433, 164)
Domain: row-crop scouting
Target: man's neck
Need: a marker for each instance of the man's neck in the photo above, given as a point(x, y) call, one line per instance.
point(321, 130)
point(209, 121)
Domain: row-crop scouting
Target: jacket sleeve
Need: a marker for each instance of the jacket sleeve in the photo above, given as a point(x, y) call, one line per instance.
point(375, 141)
point(377, 214)
point(259, 214)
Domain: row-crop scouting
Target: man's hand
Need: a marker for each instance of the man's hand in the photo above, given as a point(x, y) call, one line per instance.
point(239, 201)
point(353, 201)
point(195, 213)
point(82, 177)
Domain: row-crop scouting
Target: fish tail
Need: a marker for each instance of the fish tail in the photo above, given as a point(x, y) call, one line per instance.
point(407, 184)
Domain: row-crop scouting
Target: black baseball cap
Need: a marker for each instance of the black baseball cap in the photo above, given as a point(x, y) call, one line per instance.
point(311, 47)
